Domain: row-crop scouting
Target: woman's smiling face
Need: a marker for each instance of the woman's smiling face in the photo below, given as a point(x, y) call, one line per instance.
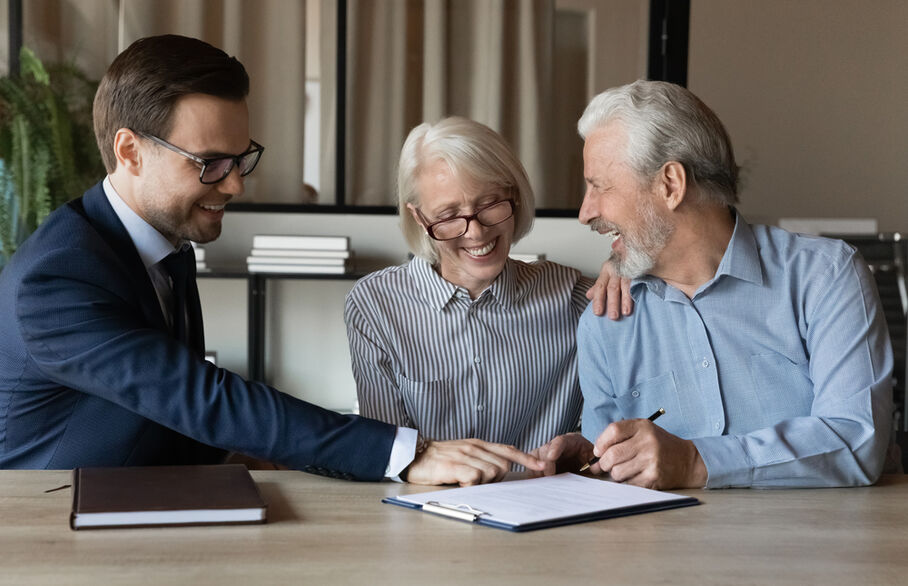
point(474, 260)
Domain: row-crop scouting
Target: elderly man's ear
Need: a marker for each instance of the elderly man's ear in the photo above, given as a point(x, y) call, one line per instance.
point(672, 184)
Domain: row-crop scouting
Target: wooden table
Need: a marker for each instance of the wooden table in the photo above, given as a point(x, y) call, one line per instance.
point(324, 531)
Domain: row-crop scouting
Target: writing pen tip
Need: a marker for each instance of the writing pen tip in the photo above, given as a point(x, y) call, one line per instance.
point(584, 467)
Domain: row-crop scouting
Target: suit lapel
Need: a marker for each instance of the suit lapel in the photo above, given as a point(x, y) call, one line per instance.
point(105, 221)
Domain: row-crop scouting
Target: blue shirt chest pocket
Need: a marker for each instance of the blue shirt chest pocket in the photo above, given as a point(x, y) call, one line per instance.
point(648, 396)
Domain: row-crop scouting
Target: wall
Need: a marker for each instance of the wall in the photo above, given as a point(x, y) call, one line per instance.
point(814, 95)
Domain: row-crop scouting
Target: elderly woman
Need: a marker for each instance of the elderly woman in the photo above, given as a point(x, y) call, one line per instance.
point(462, 341)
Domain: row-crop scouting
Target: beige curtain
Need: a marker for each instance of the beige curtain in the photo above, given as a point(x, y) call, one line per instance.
point(83, 32)
point(327, 42)
point(384, 89)
point(407, 61)
point(411, 61)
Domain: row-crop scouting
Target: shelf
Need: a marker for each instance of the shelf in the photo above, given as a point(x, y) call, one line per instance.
point(256, 305)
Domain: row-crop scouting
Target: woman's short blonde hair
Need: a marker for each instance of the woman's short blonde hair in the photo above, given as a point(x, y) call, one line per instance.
point(475, 153)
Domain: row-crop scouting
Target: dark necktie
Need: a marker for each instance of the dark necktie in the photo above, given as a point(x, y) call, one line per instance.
point(185, 309)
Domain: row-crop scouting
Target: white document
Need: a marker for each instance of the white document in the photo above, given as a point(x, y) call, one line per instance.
point(541, 502)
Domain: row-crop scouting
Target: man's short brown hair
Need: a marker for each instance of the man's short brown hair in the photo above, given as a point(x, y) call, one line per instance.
point(141, 86)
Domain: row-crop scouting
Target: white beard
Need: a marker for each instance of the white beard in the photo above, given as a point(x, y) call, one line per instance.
point(643, 246)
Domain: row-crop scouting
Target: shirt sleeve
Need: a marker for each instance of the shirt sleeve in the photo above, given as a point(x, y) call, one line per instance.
point(403, 452)
point(376, 383)
point(843, 440)
point(599, 407)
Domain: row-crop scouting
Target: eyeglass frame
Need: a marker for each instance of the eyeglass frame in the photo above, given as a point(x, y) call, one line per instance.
point(469, 218)
point(254, 147)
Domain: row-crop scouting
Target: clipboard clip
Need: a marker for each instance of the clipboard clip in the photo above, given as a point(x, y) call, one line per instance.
point(463, 512)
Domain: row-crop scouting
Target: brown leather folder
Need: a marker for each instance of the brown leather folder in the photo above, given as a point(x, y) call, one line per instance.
point(165, 496)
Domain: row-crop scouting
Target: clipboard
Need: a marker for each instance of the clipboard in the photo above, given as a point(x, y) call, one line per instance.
point(539, 503)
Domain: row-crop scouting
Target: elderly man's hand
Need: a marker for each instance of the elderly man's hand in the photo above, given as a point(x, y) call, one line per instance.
point(467, 462)
point(611, 292)
point(565, 453)
point(639, 452)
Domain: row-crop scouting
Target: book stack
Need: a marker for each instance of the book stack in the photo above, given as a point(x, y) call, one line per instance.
point(526, 257)
point(200, 265)
point(300, 254)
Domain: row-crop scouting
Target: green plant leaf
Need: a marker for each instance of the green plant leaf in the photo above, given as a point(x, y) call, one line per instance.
point(29, 64)
point(47, 146)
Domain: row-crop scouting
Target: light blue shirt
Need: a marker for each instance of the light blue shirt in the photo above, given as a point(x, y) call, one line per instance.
point(151, 245)
point(779, 369)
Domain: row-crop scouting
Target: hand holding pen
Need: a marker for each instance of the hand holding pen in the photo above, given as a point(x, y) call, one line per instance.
point(652, 417)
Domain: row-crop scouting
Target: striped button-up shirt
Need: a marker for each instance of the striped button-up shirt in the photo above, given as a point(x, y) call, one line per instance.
point(501, 368)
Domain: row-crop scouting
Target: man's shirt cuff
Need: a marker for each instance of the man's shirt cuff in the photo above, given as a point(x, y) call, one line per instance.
point(727, 464)
point(402, 452)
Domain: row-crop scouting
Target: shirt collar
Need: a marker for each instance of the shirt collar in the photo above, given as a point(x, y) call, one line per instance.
point(438, 292)
point(504, 287)
point(742, 257)
point(150, 244)
point(741, 261)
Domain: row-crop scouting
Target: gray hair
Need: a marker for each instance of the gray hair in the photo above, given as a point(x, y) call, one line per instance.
point(474, 152)
point(666, 122)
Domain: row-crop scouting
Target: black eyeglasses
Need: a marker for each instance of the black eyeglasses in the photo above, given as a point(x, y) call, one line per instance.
point(217, 169)
point(451, 228)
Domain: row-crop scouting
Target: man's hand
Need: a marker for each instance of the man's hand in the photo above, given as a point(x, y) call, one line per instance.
point(565, 453)
point(611, 292)
point(639, 452)
point(467, 462)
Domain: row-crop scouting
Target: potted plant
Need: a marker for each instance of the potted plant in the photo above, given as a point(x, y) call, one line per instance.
point(48, 153)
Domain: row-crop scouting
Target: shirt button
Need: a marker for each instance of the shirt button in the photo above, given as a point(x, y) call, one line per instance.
point(479, 407)
point(477, 359)
point(705, 363)
point(635, 394)
point(718, 425)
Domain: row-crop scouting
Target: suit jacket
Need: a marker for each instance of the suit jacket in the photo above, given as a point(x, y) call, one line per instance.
point(91, 376)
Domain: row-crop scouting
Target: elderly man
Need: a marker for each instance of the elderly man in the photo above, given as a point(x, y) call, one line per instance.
point(767, 350)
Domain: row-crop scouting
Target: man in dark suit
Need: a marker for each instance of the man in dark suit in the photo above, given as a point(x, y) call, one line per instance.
point(101, 350)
